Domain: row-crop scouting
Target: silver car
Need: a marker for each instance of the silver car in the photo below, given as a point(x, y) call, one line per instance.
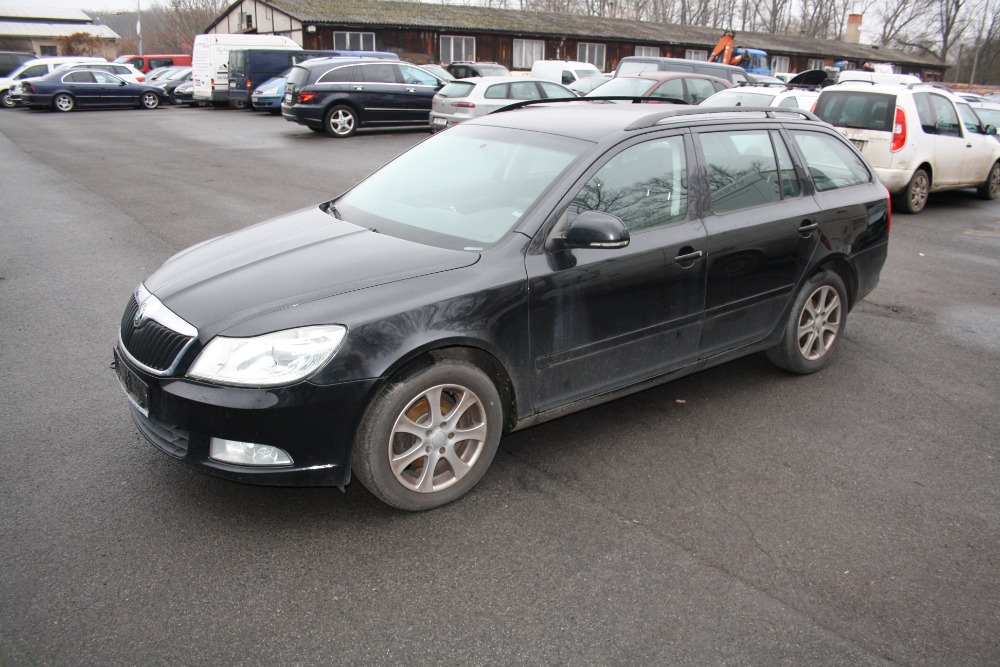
point(463, 99)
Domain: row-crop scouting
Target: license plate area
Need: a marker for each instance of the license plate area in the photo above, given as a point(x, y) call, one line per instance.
point(135, 387)
point(440, 121)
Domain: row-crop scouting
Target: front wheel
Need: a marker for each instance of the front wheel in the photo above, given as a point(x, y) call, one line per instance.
point(341, 121)
point(149, 100)
point(6, 100)
point(63, 102)
point(429, 436)
point(914, 197)
point(991, 187)
point(814, 327)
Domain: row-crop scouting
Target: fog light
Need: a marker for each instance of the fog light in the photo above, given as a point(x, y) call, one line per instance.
point(247, 453)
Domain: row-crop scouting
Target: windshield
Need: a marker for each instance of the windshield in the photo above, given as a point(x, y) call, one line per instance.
point(624, 87)
point(465, 188)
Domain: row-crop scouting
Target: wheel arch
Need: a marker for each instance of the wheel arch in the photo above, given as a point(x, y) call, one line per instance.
point(345, 102)
point(476, 356)
point(847, 274)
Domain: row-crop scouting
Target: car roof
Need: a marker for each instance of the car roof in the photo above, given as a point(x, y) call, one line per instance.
point(894, 88)
point(486, 80)
point(594, 121)
point(666, 75)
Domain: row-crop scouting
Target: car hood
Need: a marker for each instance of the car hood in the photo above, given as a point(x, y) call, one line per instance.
point(290, 260)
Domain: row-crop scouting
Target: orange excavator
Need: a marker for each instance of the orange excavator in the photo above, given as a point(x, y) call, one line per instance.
point(727, 53)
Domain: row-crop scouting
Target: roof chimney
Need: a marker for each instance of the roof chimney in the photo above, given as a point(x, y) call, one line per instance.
point(853, 35)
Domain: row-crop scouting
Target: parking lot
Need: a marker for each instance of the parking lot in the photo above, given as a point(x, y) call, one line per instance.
point(740, 516)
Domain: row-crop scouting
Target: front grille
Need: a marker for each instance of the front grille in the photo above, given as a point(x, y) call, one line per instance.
point(151, 344)
point(171, 440)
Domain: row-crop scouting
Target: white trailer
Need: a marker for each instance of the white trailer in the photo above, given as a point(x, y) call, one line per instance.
point(210, 61)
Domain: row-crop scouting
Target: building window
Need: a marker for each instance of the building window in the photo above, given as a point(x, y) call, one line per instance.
point(527, 51)
point(816, 63)
point(457, 48)
point(695, 54)
point(591, 53)
point(779, 63)
point(647, 51)
point(354, 41)
point(48, 50)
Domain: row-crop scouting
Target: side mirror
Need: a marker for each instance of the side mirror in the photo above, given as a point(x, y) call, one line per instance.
point(991, 130)
point(595, 229)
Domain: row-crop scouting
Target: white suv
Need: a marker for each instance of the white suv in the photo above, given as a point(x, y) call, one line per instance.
point(920, 139)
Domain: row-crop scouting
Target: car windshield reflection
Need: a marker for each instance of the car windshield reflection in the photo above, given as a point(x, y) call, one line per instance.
point(465, 188)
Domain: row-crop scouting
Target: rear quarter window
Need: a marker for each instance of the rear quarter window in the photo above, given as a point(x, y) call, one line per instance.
point(857, 109)
point(335, 75)
point(831, 163)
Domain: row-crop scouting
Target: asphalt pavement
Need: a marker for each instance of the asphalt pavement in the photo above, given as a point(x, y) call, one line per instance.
point(740, 516)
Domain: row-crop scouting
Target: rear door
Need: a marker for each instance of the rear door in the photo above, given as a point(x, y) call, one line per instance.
point(762, 233)
point(379, 91)
point(83, 87)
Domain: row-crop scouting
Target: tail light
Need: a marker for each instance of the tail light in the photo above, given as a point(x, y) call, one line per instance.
point(888, 202)
point(140, 78)
point(463, 105)
point(306, 97)
point(213, 85)
point(898, 131)
point(249, 85)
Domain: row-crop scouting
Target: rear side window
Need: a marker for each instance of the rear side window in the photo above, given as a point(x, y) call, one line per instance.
point(831, 163)
point(742, 169)
point(937, 115)
point(458, 89)
point(79, 77)
point(673, 89)
point(856, 109)
point(375, 73)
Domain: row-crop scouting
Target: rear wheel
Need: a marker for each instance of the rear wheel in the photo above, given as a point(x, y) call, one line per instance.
point(341, 121)
point(429, 436)
point(914, 197)
point(991, 187)
point(814, 327)
point(149, 100)
point(63, 102)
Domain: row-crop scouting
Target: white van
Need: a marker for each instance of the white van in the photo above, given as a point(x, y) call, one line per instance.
point(210, 61)
point(563, 71)
point(865, 76)
point(37, 67)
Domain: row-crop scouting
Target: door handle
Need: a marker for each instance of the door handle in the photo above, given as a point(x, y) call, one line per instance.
point(359, 87)
point(411, 90)
point(689, 257)
point(808, 227)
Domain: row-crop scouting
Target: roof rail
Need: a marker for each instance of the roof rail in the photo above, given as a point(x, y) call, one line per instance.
point(677, 110)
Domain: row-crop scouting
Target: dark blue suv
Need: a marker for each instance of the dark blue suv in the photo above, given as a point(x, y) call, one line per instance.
point(339, 95)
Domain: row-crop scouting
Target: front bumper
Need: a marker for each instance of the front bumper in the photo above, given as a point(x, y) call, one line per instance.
point(266, 101)
point(314, 424)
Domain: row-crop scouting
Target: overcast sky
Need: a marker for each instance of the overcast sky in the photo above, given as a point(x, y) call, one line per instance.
point(90, 6)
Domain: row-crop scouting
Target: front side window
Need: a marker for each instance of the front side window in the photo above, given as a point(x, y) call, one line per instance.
point(742, 169)
point(457, 48)
point(969, 119)
point(527, 51)
point(648, 51)
point(591, 53)
point(644, 186)
point(354, 41)
point(34, 70)
point(416, 76)
point(831, 164)
point(104, 77)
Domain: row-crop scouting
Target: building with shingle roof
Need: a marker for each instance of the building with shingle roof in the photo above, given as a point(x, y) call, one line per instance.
point(35, 29)
point(424, 33)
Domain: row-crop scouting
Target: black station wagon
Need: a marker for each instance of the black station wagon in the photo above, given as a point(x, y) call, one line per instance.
point(340, 95)
point(507, 271)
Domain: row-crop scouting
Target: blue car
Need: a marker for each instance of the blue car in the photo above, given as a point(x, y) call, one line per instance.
point(269, 94)
point(66, 90)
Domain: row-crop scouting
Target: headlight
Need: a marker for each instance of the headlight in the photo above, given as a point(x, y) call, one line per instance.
point(269, 91)
point(277, 358)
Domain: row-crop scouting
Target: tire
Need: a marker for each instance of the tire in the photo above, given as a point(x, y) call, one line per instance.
point(991, 187)
point(415, 425)
point(815, 325)
point(149, 100)
point(5, 100)
point(914, 197)
point(341, 121)
point(173, 98)
point(63, 102)
point(238, 104)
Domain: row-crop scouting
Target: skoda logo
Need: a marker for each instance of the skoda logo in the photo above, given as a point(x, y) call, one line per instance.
point(139, 318)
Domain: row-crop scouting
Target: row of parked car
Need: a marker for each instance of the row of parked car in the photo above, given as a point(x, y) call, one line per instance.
point(919, 137)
